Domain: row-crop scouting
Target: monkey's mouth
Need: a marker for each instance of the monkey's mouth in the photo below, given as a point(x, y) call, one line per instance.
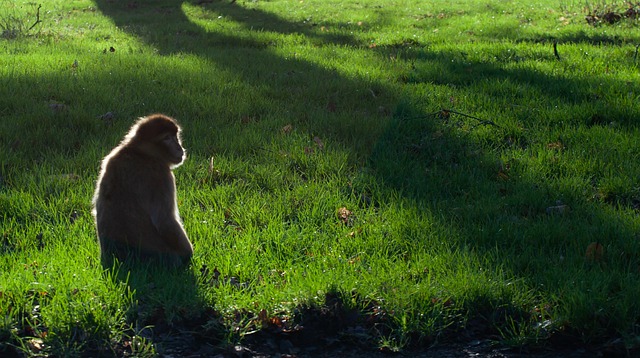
point(178, 159)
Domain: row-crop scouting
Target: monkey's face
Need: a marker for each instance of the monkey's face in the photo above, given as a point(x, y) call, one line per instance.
point(173, 148)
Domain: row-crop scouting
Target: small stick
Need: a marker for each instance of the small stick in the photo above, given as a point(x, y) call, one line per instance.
point(37, 18)
point(482, 121)
point(555, 50)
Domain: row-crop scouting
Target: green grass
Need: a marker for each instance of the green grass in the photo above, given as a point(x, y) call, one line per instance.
point(293, 110)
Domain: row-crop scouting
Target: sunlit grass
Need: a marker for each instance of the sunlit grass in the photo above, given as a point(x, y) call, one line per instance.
point(321, 164)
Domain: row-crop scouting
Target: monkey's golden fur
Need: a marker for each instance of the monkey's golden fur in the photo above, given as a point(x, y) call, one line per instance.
point(135, 199)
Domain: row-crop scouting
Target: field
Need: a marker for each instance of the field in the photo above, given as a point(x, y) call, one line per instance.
point(391, 175)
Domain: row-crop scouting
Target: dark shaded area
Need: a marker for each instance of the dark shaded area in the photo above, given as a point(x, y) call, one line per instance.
point(162, 309)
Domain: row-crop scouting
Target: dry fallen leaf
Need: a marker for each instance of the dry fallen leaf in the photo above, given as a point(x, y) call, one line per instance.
point(556, 145)
point(354, 233)
point(594, 252)
point(344, 215)
point(318, 142)
point(262, 316)
point(35, 345)
point(287, 129)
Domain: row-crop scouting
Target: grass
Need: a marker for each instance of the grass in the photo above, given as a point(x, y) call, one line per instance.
point(324, 172)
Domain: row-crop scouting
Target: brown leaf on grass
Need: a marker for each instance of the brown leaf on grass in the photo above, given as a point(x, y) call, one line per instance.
point(287, 129)
point(262, 316)
point(318, 142)
point(344, 215)
point(276, 321)
point(557, 145)
point(594, 252)
point(272, 322)
point(35, 345)
point(355, 233)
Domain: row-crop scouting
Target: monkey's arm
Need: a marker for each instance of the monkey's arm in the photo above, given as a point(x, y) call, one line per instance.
point(174, 237)
point(166, 219)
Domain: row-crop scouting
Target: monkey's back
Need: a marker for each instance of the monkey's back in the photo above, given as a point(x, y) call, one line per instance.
point(130, 189)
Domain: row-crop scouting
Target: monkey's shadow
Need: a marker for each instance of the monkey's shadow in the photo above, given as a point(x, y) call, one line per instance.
point(164, 298)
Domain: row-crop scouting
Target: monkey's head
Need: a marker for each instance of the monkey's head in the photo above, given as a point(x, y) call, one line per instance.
point(158, 136)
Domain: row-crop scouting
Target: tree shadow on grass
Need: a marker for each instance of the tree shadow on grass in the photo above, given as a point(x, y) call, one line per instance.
point(417, 153)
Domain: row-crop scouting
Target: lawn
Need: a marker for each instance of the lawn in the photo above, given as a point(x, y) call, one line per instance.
point(401, 174)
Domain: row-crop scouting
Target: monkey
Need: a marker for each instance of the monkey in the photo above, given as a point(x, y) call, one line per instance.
point(135, 203)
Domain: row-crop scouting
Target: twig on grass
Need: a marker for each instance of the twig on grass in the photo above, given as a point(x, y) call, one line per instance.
point(482, 121)
point(446, 113)
point(555, 50)
point(37, 18)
